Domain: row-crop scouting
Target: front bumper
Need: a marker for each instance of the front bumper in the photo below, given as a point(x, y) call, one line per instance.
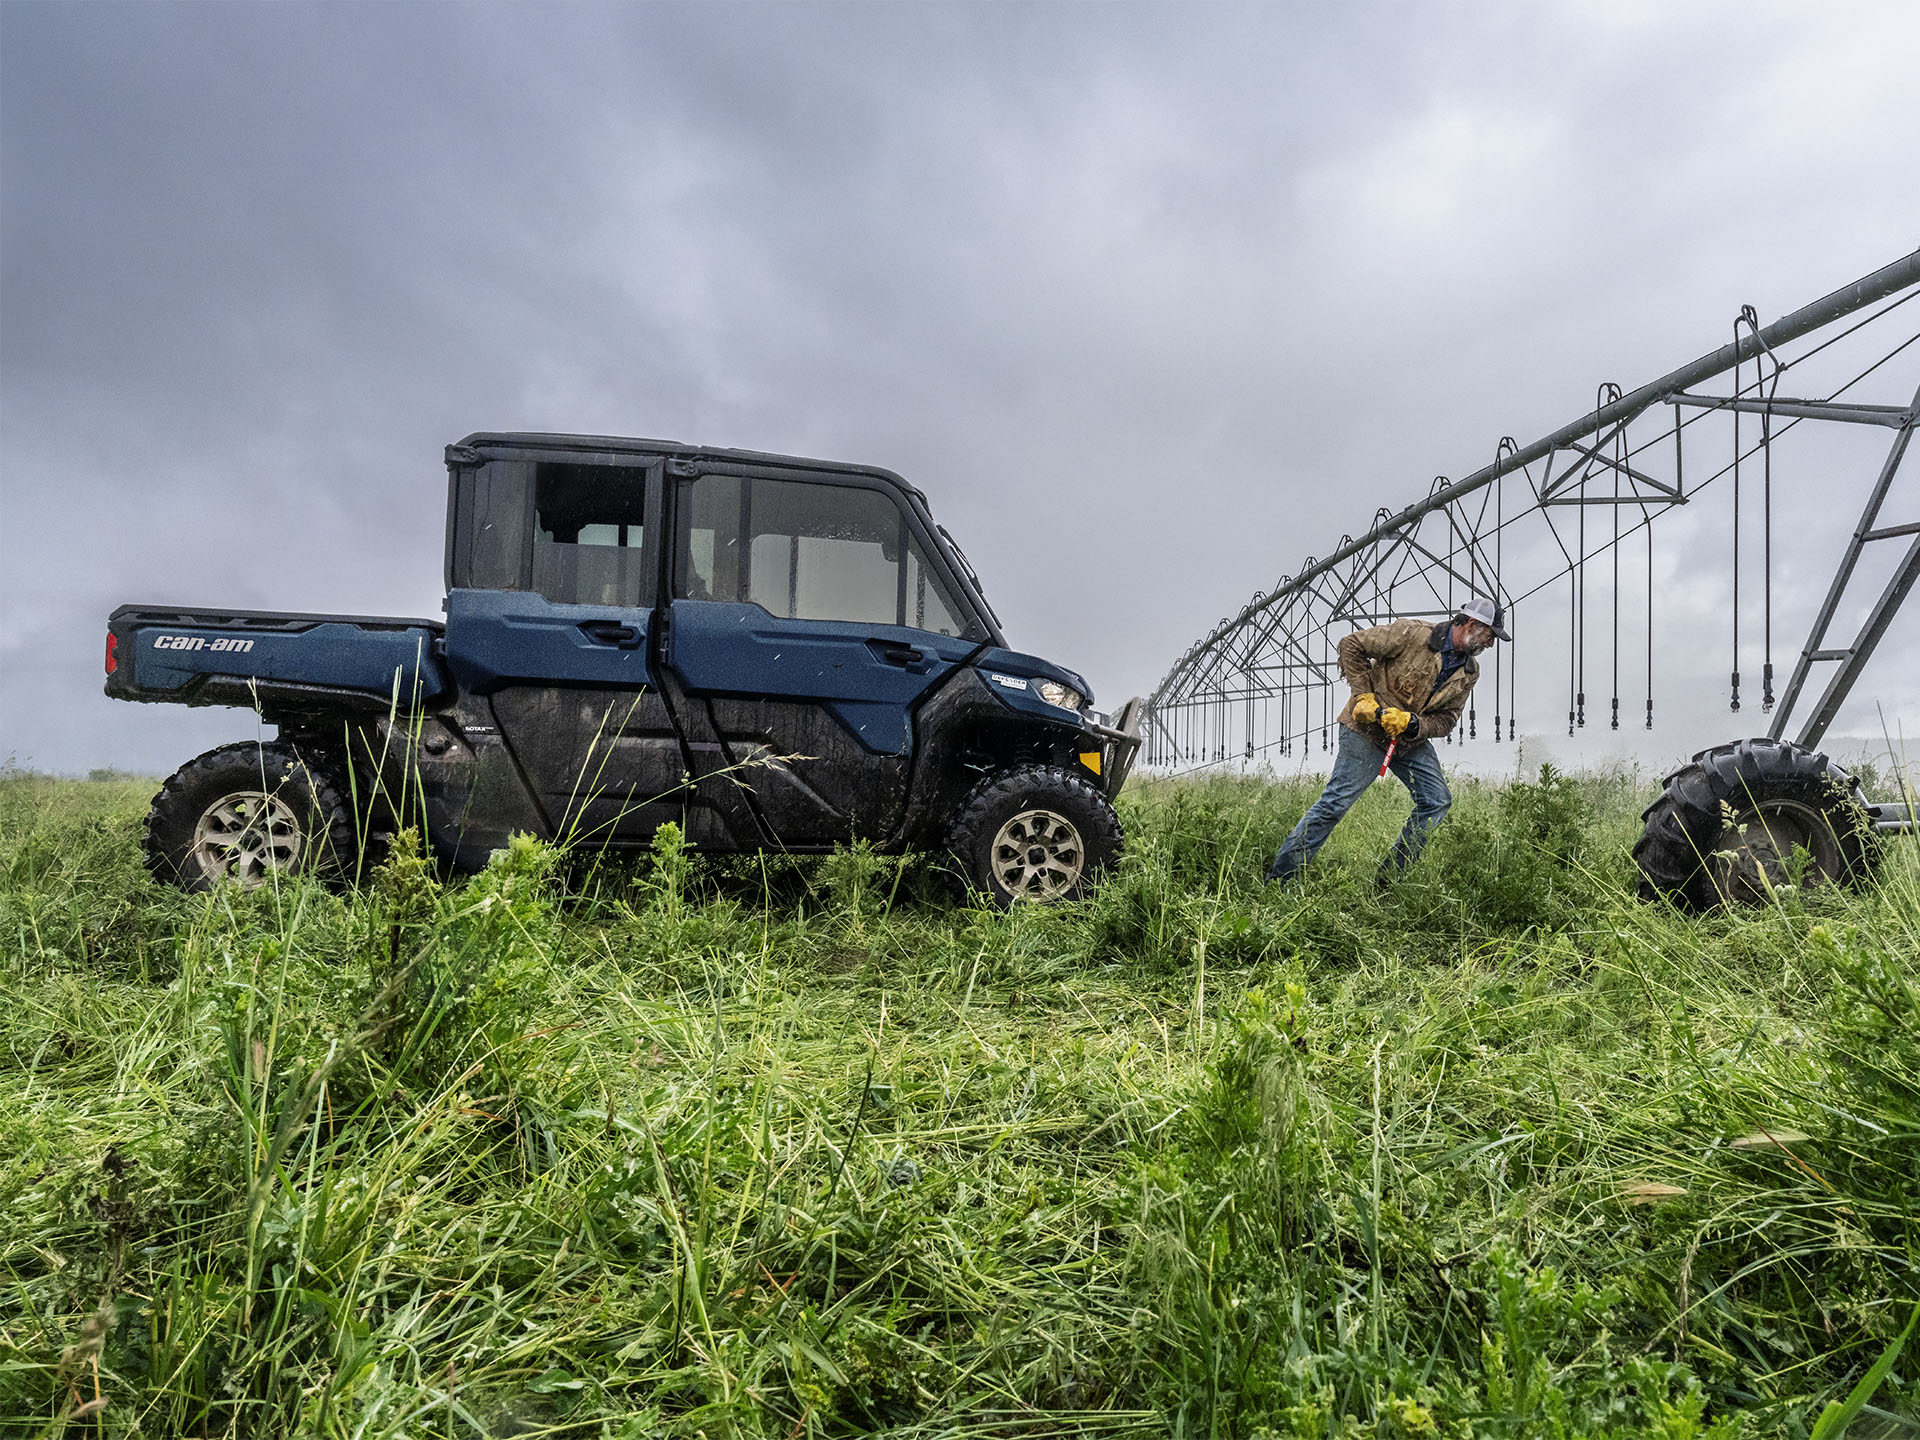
point(1119, 743)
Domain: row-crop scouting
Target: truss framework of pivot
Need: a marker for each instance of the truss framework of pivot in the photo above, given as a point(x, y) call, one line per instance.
point(1265, 680)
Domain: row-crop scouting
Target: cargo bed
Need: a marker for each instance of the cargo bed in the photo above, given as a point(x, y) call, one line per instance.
point(274, 661)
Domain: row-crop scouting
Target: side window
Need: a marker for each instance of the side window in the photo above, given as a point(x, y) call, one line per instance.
point(807, 552)
point(928, 607)
point(490, 527)
point(589, 521)
point(707, 566)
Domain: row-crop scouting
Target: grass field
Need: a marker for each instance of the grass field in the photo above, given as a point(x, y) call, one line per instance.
point(699, 1148)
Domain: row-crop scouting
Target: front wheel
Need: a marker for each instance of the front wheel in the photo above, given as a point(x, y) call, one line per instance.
point(244, 812)
point(1035, 833)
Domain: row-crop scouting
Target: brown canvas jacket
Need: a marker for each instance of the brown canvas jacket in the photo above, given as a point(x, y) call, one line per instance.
point(1399, 662)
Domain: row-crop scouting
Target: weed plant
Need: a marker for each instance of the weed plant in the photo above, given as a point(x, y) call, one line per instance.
point(782, 1148)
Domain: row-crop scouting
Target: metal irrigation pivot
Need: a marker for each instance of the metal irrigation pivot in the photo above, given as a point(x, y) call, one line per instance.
point(1261, 672)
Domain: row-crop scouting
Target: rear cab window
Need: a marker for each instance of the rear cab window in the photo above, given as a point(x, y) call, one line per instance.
point(589, 529)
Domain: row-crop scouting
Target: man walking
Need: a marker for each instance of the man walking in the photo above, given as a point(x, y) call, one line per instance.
point(1410, 682)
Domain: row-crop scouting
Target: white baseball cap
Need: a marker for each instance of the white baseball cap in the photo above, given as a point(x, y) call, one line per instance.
point(1492, 616)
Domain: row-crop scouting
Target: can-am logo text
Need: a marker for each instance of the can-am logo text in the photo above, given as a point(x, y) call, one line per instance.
point(232, 644)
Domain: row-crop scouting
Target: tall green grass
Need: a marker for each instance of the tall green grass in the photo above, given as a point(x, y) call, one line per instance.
point(777, 1148)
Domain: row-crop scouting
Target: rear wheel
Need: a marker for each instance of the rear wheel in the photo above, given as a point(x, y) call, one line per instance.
point(1034, 833)
point(1744, 818)
point(243, 813)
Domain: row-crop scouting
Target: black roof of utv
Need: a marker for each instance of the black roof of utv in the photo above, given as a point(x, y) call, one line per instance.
point(673, 449)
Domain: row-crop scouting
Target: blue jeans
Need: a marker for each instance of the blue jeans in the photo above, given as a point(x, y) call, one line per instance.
point(1356, 765)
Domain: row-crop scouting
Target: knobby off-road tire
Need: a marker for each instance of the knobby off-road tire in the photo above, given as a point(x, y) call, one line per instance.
point(1726, 827)
point(245, 811)
point(1035, 833)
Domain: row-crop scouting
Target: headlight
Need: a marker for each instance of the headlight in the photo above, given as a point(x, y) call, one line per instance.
point(1054, 693)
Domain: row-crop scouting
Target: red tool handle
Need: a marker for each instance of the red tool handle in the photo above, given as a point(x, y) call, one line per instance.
point(1388, 760)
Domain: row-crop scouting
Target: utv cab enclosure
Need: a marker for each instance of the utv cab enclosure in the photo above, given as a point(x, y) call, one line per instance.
point(772, 653)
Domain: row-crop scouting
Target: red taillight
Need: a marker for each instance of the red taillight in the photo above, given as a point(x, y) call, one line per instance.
point(113, 644)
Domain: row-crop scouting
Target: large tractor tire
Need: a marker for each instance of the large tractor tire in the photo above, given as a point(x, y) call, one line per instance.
point(1744, 818)
point(1035, 833)
point(244, 812)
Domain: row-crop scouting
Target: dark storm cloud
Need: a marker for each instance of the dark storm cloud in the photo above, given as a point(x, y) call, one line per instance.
point(1152, 300)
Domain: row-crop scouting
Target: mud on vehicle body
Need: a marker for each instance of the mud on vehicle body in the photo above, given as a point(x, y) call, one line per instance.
point(773, 653)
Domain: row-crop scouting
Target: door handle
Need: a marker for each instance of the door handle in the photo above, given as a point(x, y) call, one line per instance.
point(891, 652)
point(611, 632)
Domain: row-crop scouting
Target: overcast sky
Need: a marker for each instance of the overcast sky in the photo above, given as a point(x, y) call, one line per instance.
point(1151, 301)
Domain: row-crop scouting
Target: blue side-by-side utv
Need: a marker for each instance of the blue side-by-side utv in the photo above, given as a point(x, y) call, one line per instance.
point(772, 653)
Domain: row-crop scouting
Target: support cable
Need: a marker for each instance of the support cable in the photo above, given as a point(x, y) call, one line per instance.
point(1680, 488)
point(1647, 523)
point(1440, 482)
point(1576, 618)
point(1766, 470)
point(1734, 704)
point(1766, 548)
point(1247, 672)
point(1512, 662)
point(1507, 446)
point(1573, 648)
point(1610, 392)
point(1326, 702)
point(1472, 541)
point(1580, 590)
point(1513, 671)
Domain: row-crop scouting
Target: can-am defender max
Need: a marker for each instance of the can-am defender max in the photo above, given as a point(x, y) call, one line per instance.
point(773, 653)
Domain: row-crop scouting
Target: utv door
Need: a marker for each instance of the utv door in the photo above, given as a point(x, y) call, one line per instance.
point(808, 625)
point(559, 643)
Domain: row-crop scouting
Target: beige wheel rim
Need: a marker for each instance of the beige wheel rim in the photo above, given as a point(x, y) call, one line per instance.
point(1038, 855)
point(246, 836)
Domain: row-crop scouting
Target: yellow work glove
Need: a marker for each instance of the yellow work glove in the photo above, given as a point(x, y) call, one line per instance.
point(1366, 709)
point(1394, 722)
